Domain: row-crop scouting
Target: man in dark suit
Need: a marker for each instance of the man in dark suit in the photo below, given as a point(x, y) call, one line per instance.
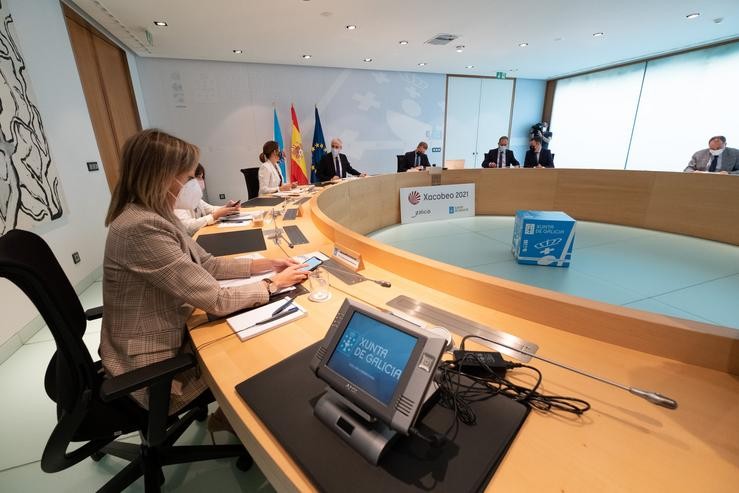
point(502, 157)
point(335, 166)
point(536, 157)
point(417, 158)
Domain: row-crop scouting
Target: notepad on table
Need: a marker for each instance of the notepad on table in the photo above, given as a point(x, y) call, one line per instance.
point(247, 325)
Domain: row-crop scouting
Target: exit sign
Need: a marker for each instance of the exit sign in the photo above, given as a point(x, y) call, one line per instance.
point(500, 75)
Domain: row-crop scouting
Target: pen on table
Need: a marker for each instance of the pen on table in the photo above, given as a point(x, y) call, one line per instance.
point(279, 315)
point(282, 307)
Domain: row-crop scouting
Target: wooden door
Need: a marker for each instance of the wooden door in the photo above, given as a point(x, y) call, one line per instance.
point(106, 83)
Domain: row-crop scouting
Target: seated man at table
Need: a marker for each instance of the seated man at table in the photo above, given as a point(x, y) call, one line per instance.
point(502, 157)
point(417, 158)
point(536, 157)
point(716, 159)
point(335, 166)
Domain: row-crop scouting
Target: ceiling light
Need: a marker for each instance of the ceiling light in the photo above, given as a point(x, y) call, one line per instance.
point(693, 15)
point(598, 34)
point(460, 48)
point(523, 45)
point(238, 52)
point(560, 38)
point(403, 43)
point(306, 56)
point(367, 60)
point(422, 64)
point(351, 27)
point(469, 66)
point(160, 23)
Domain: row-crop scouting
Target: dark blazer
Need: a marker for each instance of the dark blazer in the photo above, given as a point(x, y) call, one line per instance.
point(491, 159)
point(410, 159)
point(545, 159)
point(325, 169)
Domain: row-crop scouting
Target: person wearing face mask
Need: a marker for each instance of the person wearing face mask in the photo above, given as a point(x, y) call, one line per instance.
point(536, 156)
point(335, 166)
point(155, 274)
point(270, 177)
point(203, 214)
point(417, 158)
point(501, 157)
point(716, 159)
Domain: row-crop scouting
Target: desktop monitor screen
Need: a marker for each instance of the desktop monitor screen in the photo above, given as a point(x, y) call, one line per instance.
point(380, 363)
point(372, 355)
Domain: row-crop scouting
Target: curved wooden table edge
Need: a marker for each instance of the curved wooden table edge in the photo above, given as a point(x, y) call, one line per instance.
point(688, 341)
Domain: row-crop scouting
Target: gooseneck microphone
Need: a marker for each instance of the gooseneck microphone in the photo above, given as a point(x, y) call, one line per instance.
point(653, 397)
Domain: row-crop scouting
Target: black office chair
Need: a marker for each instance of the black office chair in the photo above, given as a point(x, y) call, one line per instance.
point(251, 176)
point(91, 408)
point(401, 163)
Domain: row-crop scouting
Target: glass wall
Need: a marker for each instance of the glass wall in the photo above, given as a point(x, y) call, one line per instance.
point(648, 116)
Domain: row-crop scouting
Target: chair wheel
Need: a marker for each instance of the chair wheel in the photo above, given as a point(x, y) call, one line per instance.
point(96, 456)
point(244, 462)
point(201, 414)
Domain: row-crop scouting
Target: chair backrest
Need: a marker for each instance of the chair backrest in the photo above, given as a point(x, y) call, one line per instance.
point(454, 164)
point(401, 162)
point(251, 176)
point(28, 262)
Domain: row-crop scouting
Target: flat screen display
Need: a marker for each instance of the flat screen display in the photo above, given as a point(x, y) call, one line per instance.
point(372, 356)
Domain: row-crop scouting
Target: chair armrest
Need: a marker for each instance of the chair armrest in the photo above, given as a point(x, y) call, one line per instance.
point(94, 313)
point(116, 387)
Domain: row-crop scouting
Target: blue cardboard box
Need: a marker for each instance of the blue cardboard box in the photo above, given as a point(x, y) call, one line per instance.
point(543, 238)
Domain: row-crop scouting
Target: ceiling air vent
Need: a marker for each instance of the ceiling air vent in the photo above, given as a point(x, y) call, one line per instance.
point(442, 39)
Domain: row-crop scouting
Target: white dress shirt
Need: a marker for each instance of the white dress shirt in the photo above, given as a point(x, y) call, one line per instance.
point(196, 218)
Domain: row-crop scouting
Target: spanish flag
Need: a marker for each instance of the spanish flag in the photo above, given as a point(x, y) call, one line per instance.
point(298, 171)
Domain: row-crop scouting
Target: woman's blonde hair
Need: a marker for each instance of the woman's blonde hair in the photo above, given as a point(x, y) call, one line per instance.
point(151, 158)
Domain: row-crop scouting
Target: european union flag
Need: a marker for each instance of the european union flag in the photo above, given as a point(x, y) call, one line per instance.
point(318, 149)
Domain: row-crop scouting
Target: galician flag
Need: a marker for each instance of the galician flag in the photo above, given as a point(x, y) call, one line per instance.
point(298, 170)
point(278, 139)
point(318, 149)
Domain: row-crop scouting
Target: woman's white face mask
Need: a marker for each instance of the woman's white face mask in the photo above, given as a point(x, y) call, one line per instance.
point(189, 196)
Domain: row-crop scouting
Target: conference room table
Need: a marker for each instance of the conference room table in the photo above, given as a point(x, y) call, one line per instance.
point(622, 444)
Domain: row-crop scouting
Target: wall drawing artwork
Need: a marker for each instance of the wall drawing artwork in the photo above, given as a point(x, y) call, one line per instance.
point(30, 192)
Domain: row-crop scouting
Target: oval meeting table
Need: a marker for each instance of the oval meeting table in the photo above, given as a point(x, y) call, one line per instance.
point(623, 443)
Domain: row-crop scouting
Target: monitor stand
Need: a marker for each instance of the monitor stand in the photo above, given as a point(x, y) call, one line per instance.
point(364, 433)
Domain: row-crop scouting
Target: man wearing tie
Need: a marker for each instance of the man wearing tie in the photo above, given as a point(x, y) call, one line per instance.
point(536, 157)
point(502, 157)
point(716, 159)
point(335, 166)
point(417, 158)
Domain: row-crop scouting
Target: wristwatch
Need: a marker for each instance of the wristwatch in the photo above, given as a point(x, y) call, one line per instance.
point(271, 287)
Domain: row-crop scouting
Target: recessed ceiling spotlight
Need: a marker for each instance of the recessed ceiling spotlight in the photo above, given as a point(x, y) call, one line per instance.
point(469, 66)
point(351, 27)
point(460, 48)
point(403, 43)
point(160, 23)
point(598, 34)
point(422, 64)
point(560, 38)
point(306, 56)
point(523, 45)
point(367, 60)
point(238, 52)
point(693, 15)
point(513, 70)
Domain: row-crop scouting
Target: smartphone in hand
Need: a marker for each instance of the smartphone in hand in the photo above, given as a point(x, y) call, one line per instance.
point(312, 262)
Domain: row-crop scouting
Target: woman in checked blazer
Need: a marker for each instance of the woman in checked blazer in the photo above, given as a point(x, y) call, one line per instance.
point(155, 274)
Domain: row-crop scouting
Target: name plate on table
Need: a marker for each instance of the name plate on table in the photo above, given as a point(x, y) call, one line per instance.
point(420, 204)
point(348, 258)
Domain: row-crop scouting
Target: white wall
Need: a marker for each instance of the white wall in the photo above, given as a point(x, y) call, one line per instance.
point(226, 109)
point(45, 46)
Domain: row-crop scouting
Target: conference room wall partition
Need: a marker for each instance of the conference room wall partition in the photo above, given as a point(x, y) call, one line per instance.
point(651, 115)
point(227, 109)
